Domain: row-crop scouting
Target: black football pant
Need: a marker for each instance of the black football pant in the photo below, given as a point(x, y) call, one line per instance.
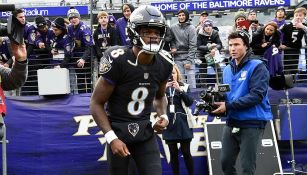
point(145, 154)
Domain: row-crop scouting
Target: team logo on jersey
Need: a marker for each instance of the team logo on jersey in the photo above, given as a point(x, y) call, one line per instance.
point(133, 129)
point(33, 36)
point(68, 48)
point(88, 38)
point(105, 65)
point(146, 75)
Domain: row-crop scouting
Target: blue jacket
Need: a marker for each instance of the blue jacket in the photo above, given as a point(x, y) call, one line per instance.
point(247, 102)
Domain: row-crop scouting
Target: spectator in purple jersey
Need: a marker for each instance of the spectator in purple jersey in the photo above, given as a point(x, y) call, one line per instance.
point(81, 34)
point(61, 43)
point(121, 23)
point(29, 30)
point(132, 82)
point(43, 33)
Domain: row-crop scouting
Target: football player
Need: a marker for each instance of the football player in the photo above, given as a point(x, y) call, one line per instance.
point(133, 81)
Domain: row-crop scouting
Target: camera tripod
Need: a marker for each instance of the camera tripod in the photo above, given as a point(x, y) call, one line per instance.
point(292, 161)
point(3, 141)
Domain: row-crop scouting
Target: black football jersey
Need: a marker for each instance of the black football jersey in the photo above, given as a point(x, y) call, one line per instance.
point(292, 36)
point(135, 86)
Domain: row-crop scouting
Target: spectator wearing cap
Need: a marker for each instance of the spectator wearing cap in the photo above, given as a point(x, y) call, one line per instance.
point(61, 43)
point(252, 17)
point(203, 16)
point(293, 33)
point(105, 35)
point(183, 46)
point(240, 16)
point(112, 21)
point(121, 23)
point(280, 19)
point(280, 16)
point(62, 50)
point(43, 33)
point(246, 107)
point(208, 42)
point(82, 36)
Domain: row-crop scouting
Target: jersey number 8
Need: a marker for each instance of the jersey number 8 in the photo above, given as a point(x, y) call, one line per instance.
point(137, 105)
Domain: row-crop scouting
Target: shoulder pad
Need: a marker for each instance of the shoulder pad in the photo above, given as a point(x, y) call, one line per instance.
point(106, 61)
point(115, 51)
point(83, 27)
point(167, 56)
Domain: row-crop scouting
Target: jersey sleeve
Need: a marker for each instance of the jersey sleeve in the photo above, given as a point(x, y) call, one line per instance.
point(87, 38)
point(110, 66)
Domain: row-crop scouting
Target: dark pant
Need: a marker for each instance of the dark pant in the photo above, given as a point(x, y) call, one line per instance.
point(145, 154)
point(188, 160)
point(245, 142)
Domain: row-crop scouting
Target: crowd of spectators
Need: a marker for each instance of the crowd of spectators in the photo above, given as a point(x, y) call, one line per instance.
point(196, 49)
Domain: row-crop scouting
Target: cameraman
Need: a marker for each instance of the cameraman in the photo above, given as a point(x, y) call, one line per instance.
point(246, 105)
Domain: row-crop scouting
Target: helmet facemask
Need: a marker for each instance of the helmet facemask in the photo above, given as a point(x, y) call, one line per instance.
point(151, 47)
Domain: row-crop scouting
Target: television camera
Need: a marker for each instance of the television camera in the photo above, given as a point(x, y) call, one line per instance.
point(209, 96)
point(13, 29)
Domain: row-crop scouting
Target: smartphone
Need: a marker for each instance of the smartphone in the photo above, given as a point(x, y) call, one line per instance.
point(171, 78)
point(244, 24)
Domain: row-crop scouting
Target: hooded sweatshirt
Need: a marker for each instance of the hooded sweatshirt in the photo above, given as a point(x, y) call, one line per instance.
point(184, 40)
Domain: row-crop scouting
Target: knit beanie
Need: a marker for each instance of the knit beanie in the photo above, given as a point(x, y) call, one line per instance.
point(244, 35)
point(59, 23)
point(40, 21)
point(208, 22)
point(239, 14)
point(73, 12)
